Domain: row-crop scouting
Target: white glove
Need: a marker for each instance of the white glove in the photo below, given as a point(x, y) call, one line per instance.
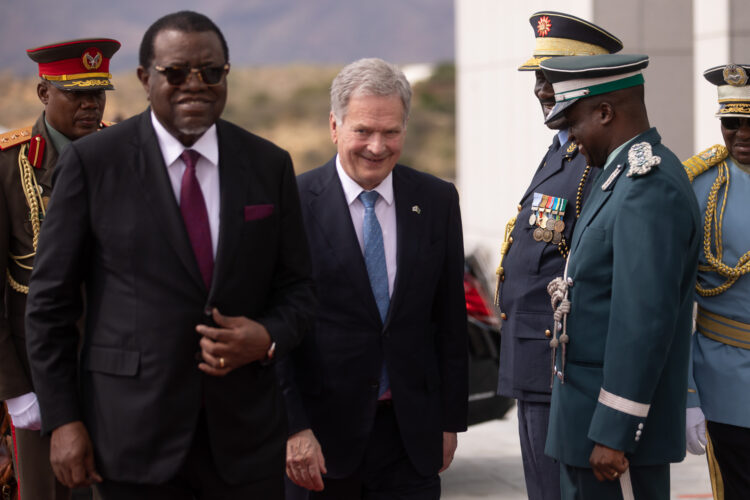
point(695, 430)
point(24, 412)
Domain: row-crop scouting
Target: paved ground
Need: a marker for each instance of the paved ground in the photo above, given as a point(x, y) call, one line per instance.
point(488, 465)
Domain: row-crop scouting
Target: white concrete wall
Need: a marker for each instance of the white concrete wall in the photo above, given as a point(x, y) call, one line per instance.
point(711, 48)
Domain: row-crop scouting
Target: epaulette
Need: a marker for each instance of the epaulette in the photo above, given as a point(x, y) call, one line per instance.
point(703, 161)
point(15, 137)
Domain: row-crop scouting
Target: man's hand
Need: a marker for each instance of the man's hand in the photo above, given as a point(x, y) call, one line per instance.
point(304, 460)
point(72, 456)
point(234, 342)
point(450, 442)
point(608, 464)
point(695, 430)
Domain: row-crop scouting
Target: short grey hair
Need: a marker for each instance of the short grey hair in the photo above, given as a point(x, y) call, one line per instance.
point(370, 76)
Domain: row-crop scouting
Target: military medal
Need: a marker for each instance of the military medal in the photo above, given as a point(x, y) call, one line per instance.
point(538, 234)
point(547, 235)
point(547, 214)
point(557, 237)
point(559, 226)
point(534, 208)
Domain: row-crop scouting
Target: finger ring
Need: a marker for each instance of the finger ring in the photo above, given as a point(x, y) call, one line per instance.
point(221, 363)
point(616, 474)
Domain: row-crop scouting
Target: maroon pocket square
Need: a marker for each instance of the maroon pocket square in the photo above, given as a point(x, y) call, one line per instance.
point(255, 212)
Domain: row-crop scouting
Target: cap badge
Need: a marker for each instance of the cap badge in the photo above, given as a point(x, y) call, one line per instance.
point(92, 58)
point(543, 26)
point(641, 159)
point(735, 75)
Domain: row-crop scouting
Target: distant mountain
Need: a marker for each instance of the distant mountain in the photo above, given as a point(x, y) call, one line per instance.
point(259, 32)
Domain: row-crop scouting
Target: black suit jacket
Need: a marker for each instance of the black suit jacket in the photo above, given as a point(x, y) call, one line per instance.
point(115, 227)
point(331, 381)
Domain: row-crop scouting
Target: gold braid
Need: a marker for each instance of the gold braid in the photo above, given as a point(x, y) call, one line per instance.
point(712, 225)
point(563, 245)
point(36, 207)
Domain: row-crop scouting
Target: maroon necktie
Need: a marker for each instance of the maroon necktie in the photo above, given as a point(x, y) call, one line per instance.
point(195, 215)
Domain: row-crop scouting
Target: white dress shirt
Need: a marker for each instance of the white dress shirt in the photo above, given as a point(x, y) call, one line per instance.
point(385, 211)
point(207, 170)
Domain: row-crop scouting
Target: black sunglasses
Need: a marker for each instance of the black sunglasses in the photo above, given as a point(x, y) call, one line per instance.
point(177, 75)
point(734, 122)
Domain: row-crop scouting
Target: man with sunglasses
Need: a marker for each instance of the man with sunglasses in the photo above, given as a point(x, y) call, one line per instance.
point(718, 414)
point(74, 76)
point(186, 233)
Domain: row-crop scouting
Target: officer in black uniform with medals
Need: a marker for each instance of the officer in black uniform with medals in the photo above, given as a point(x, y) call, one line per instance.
point(74, 76)
point(535, 248)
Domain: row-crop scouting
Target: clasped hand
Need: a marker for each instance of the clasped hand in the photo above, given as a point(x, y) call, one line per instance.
point(234, 342)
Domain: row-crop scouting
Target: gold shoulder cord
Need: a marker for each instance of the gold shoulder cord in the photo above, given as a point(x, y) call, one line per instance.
point(34, 200)
point(712, 230)
point(507, 241)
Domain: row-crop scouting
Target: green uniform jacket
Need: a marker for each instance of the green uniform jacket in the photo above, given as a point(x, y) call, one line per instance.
point(16, 238)
point(632, 270)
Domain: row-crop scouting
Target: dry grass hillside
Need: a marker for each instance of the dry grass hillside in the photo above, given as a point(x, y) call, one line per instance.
point(286, 104)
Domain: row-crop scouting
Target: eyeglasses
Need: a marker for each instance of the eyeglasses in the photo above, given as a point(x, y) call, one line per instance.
point(734, 122)
point(177, 75)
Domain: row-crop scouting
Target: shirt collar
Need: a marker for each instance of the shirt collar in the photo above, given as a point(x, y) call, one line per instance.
point(352, 189)
point(562, 136)
point(617, 151)
point(171, 148)
point(59, 140)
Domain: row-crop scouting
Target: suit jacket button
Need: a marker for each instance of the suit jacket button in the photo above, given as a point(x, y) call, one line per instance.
point(570, 281)
point(503, 316)
point(547, 333)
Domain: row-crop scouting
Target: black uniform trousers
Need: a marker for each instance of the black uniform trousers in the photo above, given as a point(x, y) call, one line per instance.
point(731, 449)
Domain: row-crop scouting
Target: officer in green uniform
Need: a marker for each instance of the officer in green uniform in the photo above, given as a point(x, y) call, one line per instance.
point(624, 305)
point(718, 396)
point(74, 76)
point(535, 249)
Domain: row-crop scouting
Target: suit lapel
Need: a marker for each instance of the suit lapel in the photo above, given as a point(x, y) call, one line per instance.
point(156, 188)
point(332, 217)
point(234, 170)
point(411, 215)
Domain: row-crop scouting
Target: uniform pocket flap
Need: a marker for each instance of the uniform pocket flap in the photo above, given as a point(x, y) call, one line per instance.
point(533, 325)
point(113, 361)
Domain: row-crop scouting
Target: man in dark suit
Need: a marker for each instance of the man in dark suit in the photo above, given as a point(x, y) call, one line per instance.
point(535, 249)
point(377, 392)
point(186, 233)
point(625, 302)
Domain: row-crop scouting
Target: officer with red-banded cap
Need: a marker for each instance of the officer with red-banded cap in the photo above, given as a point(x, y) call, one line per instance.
point(74, 78)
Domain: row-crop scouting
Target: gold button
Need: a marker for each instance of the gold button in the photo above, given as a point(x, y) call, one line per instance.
point(519, 208)
point(504, 316)
point(547, 333)
point(510, 239)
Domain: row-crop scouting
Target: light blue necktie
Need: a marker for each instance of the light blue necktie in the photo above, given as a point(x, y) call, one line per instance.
point(376, 268)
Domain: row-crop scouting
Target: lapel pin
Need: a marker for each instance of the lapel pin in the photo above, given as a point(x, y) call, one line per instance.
point(416, 209)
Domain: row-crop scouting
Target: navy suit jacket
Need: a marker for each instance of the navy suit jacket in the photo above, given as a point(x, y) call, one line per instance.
point(115, 227)
point(331, 380)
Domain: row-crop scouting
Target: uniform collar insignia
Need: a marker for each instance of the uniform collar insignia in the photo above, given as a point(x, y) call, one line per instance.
point(641, 159)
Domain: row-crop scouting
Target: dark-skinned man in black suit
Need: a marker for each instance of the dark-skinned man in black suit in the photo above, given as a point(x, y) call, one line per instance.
point(378, 390)
point(187, 236)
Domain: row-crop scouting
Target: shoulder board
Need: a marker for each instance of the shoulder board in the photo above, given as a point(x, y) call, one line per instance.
point(703, 161)
point(15, 137)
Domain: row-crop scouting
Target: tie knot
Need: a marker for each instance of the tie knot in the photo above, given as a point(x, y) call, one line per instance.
point(369, 198)
point(190, 157)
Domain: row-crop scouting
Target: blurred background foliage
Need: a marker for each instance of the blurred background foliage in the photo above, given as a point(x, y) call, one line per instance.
point(288, 105)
